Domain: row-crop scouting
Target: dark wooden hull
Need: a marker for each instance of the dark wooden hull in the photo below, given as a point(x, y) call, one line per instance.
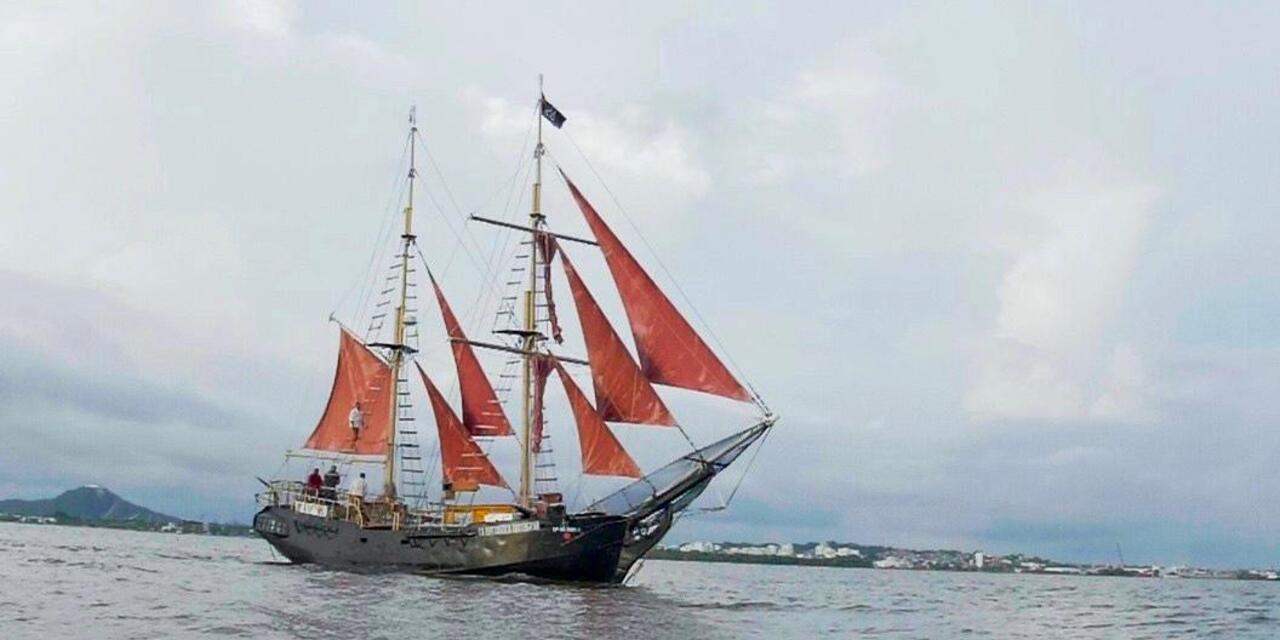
point(581, 549)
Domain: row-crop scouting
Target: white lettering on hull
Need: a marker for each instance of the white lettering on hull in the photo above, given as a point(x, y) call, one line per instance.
point(312, 509)
point(510, 528)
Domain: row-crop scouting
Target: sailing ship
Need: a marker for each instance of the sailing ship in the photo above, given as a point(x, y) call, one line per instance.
point(369, 422)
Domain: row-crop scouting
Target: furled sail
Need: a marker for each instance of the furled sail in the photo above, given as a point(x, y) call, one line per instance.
point(541, 371)
point(623, 393)
point(465, 465)
point(546, 244)
point(361, 377)
point(481, 412)
point(671, 352)
point(602, 454)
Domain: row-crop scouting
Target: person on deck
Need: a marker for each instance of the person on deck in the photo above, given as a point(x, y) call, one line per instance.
point(314, 482)
point(331, 480)
point(359, 487)
point(355, 498)
point(356, 419)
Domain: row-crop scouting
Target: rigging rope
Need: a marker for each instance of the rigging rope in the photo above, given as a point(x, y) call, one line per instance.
point(397, 189)
point(365, 282)
point(724, 504)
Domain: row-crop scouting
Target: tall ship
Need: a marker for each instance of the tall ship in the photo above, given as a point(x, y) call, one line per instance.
point(379, 496)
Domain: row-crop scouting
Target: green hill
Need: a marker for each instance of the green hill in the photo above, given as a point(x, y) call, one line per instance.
point(89, 502)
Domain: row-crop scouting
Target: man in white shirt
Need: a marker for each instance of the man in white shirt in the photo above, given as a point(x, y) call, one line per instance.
point(355, 497)
point(356, 418)
point(358, 487)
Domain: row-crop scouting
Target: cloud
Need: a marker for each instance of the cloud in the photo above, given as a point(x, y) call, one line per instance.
point(832, 119)
point(84, 402)
point(272, 18)
point(654, 157)
point(1056, 301)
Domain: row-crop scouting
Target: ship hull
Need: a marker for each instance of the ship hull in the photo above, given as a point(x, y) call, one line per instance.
point(581, 549)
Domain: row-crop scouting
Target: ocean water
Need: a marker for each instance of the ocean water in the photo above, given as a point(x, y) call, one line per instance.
point(63, 582)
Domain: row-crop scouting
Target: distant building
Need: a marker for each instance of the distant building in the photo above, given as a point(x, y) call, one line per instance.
point(699, 547)
point(752, 550)
point(892, 562)
point(979, 560)
point(787, 549)
point(1063, 570)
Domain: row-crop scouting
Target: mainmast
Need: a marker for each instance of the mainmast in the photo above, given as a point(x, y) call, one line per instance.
point(399, 348)
point(530, 330)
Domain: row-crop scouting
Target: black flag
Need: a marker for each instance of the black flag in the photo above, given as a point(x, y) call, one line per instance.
point(552, 114)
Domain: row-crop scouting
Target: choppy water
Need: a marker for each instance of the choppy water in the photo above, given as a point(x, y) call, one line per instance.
point(61, 582)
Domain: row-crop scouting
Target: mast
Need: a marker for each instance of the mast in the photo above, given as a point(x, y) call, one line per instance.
point(530, 329)
point(399, 347)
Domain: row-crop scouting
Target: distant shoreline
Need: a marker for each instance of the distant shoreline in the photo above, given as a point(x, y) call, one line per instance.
point(186, 527)
point(854, 562)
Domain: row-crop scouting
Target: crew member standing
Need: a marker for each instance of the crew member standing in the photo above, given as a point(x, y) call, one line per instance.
point(331, 481)
point(359, 487)
point(314, 482)
point(355, 497)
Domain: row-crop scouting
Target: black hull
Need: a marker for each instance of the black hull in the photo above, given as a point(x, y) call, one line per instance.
point(582, 549)
point(601, 544)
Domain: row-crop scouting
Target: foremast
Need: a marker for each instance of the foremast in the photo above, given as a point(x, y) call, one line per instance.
point(399, 349)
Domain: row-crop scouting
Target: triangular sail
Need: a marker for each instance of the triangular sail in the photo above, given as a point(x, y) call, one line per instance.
point(465, 465)
point(602, 454)
point(671, 352)
point(623, 394)
point(361, 377)
point(481, 412)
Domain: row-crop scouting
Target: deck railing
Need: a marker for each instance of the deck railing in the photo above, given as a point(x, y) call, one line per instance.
point(339, 504)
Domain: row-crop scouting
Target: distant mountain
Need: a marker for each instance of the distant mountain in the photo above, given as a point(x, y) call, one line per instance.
point(89, 502)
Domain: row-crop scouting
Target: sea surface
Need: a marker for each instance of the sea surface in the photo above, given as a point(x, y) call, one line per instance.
point(66, 582)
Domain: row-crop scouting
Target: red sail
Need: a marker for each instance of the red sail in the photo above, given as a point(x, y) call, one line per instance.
point(466, 467)
point(481, 411)
point(670, 351)
point(623, 394)
point(361, 377)
point(602, 454)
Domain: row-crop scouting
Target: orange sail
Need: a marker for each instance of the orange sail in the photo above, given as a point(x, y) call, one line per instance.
point(670, 351)
point(481, 412)
point(623, 394)
point(361, 377)
point(602, 454)
point(466, 466)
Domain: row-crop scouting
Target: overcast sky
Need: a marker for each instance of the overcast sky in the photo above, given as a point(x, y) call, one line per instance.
point(1008, 272)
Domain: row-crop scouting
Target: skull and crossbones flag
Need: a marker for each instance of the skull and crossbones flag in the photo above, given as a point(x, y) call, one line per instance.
point(551, 113)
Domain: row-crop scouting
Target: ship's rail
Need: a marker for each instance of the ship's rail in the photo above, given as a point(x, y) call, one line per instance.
point(334, 503)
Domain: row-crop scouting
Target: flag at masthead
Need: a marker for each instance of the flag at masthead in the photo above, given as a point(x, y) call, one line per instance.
point(551, 113)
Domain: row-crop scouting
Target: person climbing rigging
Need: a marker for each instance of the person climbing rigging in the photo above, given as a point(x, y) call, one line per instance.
point(356, 419)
